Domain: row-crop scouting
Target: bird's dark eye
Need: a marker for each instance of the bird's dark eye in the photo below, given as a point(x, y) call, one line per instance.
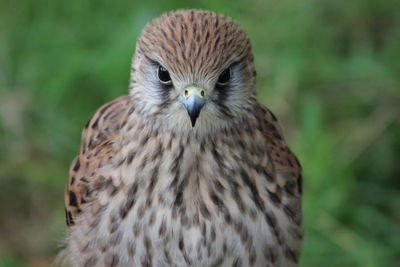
point(163, 75)
point(224, 77)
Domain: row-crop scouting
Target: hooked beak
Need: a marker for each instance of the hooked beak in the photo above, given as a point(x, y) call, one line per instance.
point(193, 98)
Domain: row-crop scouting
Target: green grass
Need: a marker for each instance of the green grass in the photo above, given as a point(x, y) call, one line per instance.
point(328, 69)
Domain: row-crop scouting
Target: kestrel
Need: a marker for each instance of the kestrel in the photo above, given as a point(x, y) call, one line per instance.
point(189, 169)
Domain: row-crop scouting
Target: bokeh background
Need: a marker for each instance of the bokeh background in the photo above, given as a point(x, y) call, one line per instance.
point(330, 70)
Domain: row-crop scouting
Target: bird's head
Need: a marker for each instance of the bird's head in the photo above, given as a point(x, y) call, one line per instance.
point(193, 69)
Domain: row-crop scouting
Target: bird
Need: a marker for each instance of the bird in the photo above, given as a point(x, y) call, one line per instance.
point(188, 169)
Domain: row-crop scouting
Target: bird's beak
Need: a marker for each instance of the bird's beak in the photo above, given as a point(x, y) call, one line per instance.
point(193, 98)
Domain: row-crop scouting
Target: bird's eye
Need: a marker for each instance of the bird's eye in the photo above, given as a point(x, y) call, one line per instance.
point(224, 77)
point(163, 75)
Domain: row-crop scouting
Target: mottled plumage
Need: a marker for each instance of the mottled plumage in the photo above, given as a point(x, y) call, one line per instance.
point(188, 170)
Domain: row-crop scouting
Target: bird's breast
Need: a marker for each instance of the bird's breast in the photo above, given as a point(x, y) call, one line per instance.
point(180, 203)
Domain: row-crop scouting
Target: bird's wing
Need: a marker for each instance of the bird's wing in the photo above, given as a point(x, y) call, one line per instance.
point(97, 143)
point(285, 167)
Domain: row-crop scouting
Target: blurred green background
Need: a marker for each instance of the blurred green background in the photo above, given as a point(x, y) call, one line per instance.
point(330, 70)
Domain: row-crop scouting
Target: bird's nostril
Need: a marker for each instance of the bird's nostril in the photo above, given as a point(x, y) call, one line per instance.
point(202, 93)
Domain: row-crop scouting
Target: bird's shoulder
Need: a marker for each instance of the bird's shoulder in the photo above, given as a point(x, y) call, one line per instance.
point(285, 164)
point(98, 137)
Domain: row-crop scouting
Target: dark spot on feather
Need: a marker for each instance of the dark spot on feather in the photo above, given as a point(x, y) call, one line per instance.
point(147, 243)
point(217, 201)
point(96, 122)
point(69, 219)
point(181, 244)
point(291, 255)
point(271, 254)
point(87, 123)
point(72, 199)
point(104, 109)
point(91, 261)
point(92, 144)
point(131, 156)
point(237, 262)
point(289, 212)
point(272, 222)
point(252, 257)
point(255, 195)
point(178, 199)
point(274, 197)
point(162, 229)
point(289, 162)
point(290, 188)
point(77, 165)
point(204, 211)
point(300, 183)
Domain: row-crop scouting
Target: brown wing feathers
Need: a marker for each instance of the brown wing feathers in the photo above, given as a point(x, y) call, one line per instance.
point(97, 139)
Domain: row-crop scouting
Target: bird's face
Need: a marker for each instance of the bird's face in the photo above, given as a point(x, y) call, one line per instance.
point(193, 70)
